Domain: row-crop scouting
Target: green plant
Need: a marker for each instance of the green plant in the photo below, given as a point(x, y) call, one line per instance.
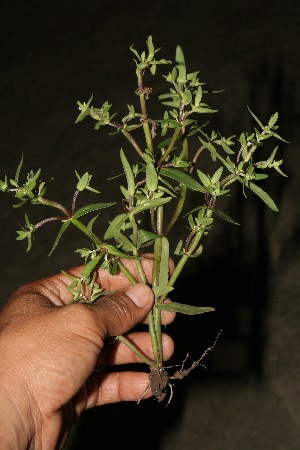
point(157, 176)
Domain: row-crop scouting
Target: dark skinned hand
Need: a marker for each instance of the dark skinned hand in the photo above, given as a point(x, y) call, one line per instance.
point(50, 348)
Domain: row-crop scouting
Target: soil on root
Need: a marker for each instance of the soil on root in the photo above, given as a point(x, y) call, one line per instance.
point(160, 380)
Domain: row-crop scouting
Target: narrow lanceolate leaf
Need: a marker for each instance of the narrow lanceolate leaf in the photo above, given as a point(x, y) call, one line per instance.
point(164, 262)
point(90, 266)
point(151, 49)
point(217, 175)
point(126, 243)
point(19, 170)
point(183, 309)
point(182, 178)
point(203, 178)
point(201, 109)
point(256, 118)
point(91, 223)
point(115, 226)
point(154, 203)
point(151, 177)
point(167, 141)
point(178, 248)
point(263, 196)
point(145, 236)
point(225, 216)
point(60, 233)
point(90, 208)
point(198, 96)
point(128, 173)
point(273, 120)
point(158, 291)
point(180, 64)
point(115, 252)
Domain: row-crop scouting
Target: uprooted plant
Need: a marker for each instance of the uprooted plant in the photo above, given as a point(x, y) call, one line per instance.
point(165, 164)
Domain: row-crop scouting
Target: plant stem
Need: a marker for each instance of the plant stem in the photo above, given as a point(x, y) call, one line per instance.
point(47, 202)
point(179, 206)
point(150, 316)
point(153, 335)
point(132, 142)
point(135, 350)
point(86, 231)
point(183, 190)
point(170, 146)
point(127, 273)
point(145, 124)
point(155, 282)
point(181, 263)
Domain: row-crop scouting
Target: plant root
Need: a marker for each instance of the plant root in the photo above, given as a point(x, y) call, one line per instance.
point(159, 379)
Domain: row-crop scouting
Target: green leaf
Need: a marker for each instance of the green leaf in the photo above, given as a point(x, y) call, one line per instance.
point(167, 141)
point(174, 104)
point(201, 109)
point(128, 173)
point(91, 223)
point(263, 196)
point(4, 185)
point(225, 216)
point(154, 203)
point(178, 248)
point(164, 262)
point(158, 291)
point(145, 236)
point(198, 252)
point(198, 96)
point(60, 233)
point(186, 97)
point(135, 52)
point(203, 178)
point(85, 110)
point(151, 49)
point(226, 148)
point(84, 181)
point(217, 175)
point(19, 170)
point(115, 226)
point(115, 252)
point(273, 120)
point(276, 165)
point(180, 64)
point(182, 178)
point(260, 176)
point(183, 309)
point(90, 266)
point(90, 208)
point(151, 177)
point(255, 118)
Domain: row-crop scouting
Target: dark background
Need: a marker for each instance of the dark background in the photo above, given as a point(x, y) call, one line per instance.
point(55, 53)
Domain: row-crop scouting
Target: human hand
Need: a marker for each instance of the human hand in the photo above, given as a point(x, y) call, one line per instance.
point(49, 349)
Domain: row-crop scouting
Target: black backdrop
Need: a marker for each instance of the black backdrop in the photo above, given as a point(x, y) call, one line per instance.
point(55, 53)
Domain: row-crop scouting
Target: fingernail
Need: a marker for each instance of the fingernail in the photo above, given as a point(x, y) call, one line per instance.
point(138, 294)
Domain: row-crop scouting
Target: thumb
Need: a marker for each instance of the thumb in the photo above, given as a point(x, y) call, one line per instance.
point(119, 312)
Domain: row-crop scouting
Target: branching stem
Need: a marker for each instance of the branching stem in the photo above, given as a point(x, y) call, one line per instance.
point(135, 350)
point(47, 202)
point(170, 146)
point(145, 124)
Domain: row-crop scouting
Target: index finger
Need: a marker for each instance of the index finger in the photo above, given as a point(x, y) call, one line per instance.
point(110, 282)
